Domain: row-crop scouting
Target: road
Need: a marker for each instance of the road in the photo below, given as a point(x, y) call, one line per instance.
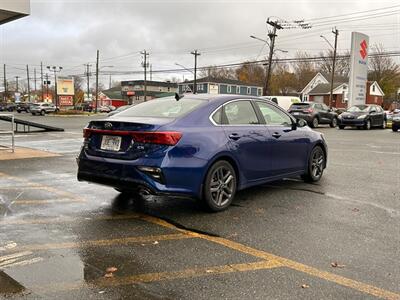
point(336, 239)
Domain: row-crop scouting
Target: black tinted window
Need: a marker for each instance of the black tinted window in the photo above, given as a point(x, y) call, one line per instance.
point(300, 106)
point(240, 113)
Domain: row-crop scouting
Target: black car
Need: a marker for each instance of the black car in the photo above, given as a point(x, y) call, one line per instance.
point(23, 106)
point(396, 122)
point(363, 116)
point(314, 113)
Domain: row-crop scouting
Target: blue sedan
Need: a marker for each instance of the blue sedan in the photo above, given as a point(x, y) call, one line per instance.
point(203, 146)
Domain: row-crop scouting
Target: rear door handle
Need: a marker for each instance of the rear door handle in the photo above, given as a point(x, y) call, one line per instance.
point(276, 135)
point(234, 136)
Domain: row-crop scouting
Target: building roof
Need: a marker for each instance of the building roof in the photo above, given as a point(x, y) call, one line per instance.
point(113, 93)
point(210, 79)
point(149, 83)
point(324, 88)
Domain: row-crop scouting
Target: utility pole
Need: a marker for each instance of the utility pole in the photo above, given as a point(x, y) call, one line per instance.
point(151, 72)
point(87, 78)
point(47, 86)
point(272, 35)
point(5, 83)
point(55, 81)
point(336, 33)
point(34, 78)
point(29, 88)
point(16, 78)
point(145, 63)
point(195, 53)
point(97, 81)
point(109, 83)
point(41, 79)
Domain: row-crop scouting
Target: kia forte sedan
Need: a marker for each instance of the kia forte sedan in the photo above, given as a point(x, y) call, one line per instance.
point(203, 146)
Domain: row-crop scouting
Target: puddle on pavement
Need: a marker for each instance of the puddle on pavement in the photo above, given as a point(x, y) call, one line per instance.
point(8, 286)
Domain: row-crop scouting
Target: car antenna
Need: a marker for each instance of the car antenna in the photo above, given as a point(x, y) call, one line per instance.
point(178, 97)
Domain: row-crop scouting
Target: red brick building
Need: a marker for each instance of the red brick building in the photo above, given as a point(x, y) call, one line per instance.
point(320, 93)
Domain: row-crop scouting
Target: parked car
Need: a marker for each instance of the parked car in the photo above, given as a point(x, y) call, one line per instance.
point(106, 108)
point(314, 113)
point(118, 110)
point(7, 106)
point(23, 106)
point(363, 116)
point(203, 146)
point(396, 122)
point(43, 108)
point(283, 101)
point(85, 107)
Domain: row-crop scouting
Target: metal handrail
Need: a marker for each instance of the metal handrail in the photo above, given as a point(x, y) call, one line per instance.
point(11, 132)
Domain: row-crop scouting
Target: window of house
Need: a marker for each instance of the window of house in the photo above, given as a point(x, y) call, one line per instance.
point(240, 113)
point(248, 91)
point(200, 87)
point(229, 89)
point(259, 92)
point(238, 90)
point(373, 88)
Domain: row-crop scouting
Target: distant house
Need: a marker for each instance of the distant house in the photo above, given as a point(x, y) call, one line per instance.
point(133, 90)
point(318, 90)
point(112, 97)
point(212, 85)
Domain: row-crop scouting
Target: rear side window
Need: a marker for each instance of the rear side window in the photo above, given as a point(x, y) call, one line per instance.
point(162, 108)
point(217, 116)
point(240, 113)
point(274, 116)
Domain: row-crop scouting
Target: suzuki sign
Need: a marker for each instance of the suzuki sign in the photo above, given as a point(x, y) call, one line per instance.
point(358, 69)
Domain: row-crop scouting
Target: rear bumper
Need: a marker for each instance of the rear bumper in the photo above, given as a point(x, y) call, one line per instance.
point(125, 175)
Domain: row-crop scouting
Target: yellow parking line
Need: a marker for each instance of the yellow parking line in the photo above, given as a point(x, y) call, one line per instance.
point(68, 219)
point(46, 201)
point(356, 285)
point(162, 276)
point(105, 242)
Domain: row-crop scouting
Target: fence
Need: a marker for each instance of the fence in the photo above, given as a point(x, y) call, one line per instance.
point(8, 132)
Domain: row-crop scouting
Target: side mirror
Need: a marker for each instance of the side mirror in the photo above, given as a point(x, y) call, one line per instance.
point(301, 123)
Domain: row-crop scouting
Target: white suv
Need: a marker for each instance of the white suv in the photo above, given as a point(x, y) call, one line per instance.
point(43, 108)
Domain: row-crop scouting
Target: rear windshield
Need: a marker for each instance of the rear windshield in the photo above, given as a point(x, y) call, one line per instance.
point(162, 108)
point(299, 105)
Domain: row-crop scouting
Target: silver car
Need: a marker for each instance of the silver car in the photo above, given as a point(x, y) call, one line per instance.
point(43, 108)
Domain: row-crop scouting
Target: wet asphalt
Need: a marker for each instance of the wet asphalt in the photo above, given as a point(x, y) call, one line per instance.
point(337, 239)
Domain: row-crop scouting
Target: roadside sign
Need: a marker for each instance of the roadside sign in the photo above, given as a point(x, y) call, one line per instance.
point(358, 68)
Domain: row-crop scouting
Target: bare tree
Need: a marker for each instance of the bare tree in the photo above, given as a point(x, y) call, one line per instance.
point(342, 64)
point(384, 70)
point(304, 69)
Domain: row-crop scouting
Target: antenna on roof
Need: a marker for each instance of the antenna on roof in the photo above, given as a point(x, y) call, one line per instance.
point(178, 97)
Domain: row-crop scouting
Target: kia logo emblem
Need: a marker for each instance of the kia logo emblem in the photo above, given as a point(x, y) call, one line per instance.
point(108, 125)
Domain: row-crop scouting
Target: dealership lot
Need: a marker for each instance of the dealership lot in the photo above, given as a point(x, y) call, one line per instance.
point(335, 239)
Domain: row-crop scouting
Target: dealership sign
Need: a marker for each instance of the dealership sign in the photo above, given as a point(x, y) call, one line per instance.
point(358, 68)
point(65, 86)
point(66, 100)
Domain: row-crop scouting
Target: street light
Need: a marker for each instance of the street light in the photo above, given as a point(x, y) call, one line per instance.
point(184, 68)
point(55, 69)
point(326, 40)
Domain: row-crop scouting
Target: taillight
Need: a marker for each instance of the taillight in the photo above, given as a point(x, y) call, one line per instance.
point(309, 110)
point(169, 138)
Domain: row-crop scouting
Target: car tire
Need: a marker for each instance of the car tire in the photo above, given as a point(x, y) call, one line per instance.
point(314, 123)
point(341, 126)
point(383, 126)
point(33, 114)
point(367, 125)
point(219, 186)
point(316, 163)
point(18, 111)
point(394, 129)
point(42, 112)
point(333, 123)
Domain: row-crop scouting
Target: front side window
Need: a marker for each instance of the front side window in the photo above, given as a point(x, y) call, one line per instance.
point(273, 116)
point(240, 113)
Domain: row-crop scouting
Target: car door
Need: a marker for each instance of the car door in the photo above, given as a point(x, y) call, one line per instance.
point(246, 139)
point(321, 112)
point(327, 113)
point(288, 144)
point(374, 115)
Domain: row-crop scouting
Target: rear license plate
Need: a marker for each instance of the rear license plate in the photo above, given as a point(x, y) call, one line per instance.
point(111, 143)
point(296, 113)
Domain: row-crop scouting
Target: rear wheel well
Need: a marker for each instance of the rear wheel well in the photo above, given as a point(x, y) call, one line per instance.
point(229, 160)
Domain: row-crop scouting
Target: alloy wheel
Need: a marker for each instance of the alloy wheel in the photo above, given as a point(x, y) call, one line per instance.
point(317, 163)
point(222, 186)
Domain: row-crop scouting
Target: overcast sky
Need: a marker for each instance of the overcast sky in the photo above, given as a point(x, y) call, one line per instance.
point(67, 33)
